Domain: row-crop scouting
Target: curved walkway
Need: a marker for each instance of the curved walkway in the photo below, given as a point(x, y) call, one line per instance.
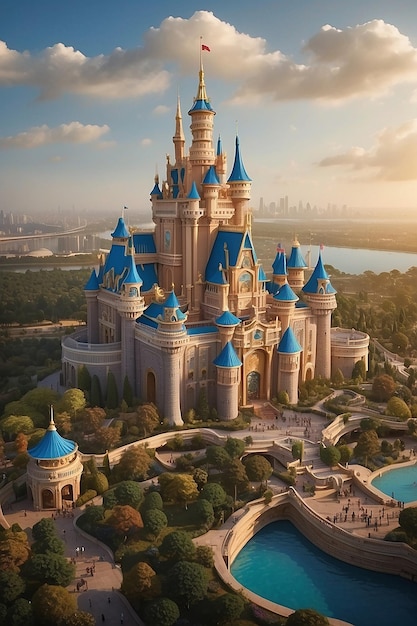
point(100, 595)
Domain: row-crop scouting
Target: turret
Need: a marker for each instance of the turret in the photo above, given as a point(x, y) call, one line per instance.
point(240, 187)
point(221, 162)
point(284, 305)
point(228, 367)
point(178, 138)
point(296, 266)
point(279, 267)
point(91, 291)
point(320, 296)
point(289, 351)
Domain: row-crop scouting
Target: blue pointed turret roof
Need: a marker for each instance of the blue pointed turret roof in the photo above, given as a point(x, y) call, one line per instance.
point(227, 357)
point(238, 171)
point(296, 260)
point(227, 319)
point(132, 275)
point(121, 229)
point(52, 445)
point(286, 294)
point(92, 284)
point(211, 177)
point(193, 195)
point(261, 275)
point(219, 147)
point(156, 191)
point(171, 301)
point(319, 280)
point(288, 343)
point(201, 101)
point(279, 266)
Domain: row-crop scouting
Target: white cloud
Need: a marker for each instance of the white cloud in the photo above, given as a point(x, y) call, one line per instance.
point(392, 158)
point(161, 109)
point(74, 132)
point(363, 60)
point(146, 142)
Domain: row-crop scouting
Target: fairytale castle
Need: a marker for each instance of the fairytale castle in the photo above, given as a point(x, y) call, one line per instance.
point(189, 307)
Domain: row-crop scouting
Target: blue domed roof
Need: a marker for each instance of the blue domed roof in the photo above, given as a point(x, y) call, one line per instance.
point(52, 445)
point(227, 357)
point(227, 319)
point(286, 294)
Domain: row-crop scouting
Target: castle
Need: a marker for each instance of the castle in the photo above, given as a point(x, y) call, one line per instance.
point(189, 307)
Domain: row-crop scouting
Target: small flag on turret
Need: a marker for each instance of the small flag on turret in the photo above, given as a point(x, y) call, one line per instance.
point(204, 47)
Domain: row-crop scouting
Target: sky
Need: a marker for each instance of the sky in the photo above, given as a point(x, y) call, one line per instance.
point(322, 93)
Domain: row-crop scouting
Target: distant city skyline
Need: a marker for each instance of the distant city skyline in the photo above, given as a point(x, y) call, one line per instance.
point(322, 94)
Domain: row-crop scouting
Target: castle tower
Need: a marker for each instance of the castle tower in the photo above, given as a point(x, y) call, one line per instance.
point(202, 121)
point(91, 291)
point(130, 307)
point(226, 324)
point(296, 266)
point(172, 339)
point(228, 367)
point(54, 471)
point(221, 162)
point(289, 365)
point(240, 187)
point(279, 267)
point(178, 138)
point(284, 305)
point(320, 296)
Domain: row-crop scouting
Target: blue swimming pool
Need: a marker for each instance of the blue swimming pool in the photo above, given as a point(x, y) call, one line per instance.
point(399, 483)
point(280, 564)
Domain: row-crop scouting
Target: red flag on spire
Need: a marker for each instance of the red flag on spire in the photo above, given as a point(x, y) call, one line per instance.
point(204, 47)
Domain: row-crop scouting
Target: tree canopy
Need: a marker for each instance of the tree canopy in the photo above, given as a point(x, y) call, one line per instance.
point(134, 464)
point(52, 603)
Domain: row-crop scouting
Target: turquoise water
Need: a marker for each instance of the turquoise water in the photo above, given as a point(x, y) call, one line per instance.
point(399, 483)
point(280, 564)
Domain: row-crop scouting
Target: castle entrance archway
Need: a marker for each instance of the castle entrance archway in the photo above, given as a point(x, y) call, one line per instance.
point(151, 387)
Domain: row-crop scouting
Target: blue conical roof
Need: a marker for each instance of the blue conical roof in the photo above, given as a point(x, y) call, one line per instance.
point(227, 319)
point(171, 302)
point(52, 445)
point(296, 259)
point(288, 343)
point(120, 230)
point(227, 357)
point(193, 195)
point(319, 281)
point(279, 265)
point(156, 191)
point(238, 171)
point(92, 283)
point(285, 294)
point(132, 275)
point(211, 177)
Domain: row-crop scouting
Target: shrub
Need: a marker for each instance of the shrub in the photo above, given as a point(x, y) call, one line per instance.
point(85, 497)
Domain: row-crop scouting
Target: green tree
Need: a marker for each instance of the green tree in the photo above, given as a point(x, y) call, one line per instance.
point(408, 521)
point(127, 392)
point(258, 468)
point(14, 424)
point(200, 477)
point(214, 493)
point(72, 401)
point(129, 492)
point(205, 556)
point(44, 529)
point(383, 387)
point(148, 418)
point(368, 445)
point(84, 379)
point(400, 342)
point(93, 419)
point(283, 398)
point(41, 399)
point(134, 464)
point(179, 488)
point(21, 613)
point(51, 568)
point(51, 544)
point(203, 409)
point(79, 618)
point(155, 521)
point(367, 423)
point(345, 453)
point(112, 395)
point(307, 617)
point(52, 603)
point(338, 379)
point(229, 607)
point(186, 583)
point(359, 370)
point(234, 447)
point(178, 546)
point(235, 477)
point(330, 455)
point(96, 395)
point(162, 612)
point(14, 550)
point(217, 456)
point(11, 587)
point(204, 512)
point(297, 450)
point(398, 408)
point(153, 500)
